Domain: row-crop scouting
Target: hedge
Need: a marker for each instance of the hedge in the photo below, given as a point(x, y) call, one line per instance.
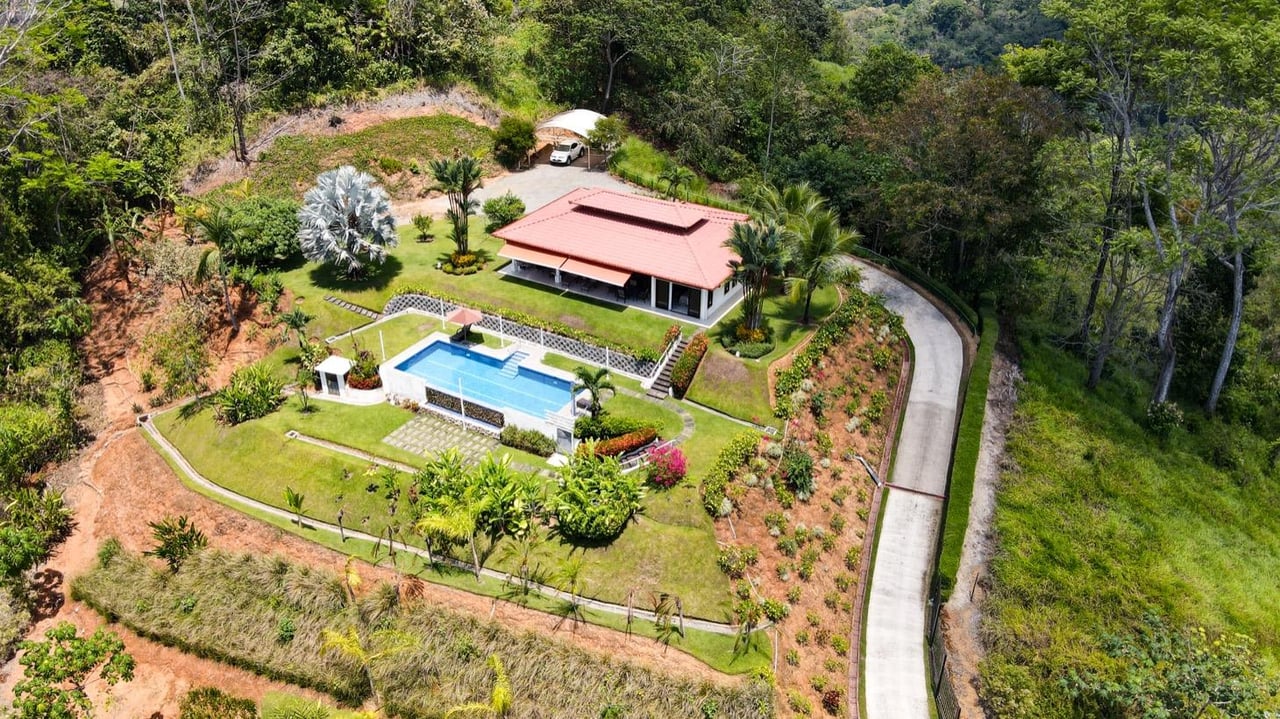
point(687, 366)
point(528, 440)
point(964, 463)
point(621, 445)
point(640, 352)
point(608, 426)
point(857, 306)
point(732, 456)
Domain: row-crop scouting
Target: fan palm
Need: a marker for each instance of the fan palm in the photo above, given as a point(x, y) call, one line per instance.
point(820, 255)
point(346, 220)
point(459, 178)
point(595, 382)
point(762, 255)
point(220, 227)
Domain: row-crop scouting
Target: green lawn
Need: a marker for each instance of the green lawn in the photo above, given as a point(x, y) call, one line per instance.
point(740, 387)
point(671, 548)
point(290, 167)
point(1100, 522)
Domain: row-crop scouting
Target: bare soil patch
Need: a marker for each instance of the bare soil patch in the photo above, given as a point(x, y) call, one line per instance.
point(962, 614)
point(825, 536)
point(351, 118)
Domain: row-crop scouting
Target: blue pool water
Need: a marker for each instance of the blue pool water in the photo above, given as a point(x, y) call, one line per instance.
point(443, 365)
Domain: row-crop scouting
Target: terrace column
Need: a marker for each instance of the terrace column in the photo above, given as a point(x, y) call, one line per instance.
point(558, 276)
point(653, 292)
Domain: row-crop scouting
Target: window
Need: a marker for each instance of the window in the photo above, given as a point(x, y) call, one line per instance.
point(711, 293)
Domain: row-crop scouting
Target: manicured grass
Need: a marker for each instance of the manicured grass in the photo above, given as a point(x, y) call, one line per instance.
point(1100, 521)
point(291, 166)
point(671, 551)
point(412, 263)
point(965, 460)
point(739, 387)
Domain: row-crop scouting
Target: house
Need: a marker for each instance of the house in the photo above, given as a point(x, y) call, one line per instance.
point(667, 256)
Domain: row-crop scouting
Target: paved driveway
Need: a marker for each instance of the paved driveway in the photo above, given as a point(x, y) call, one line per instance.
point(895, 676)
point(537, 186)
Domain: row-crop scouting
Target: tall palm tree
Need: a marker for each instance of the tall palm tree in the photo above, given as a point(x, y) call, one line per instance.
point(346, 220)
point(595, 382)
point(820, 255)
point(459, 178)
point(762, 253)
point(220, 227)
point(456, 520)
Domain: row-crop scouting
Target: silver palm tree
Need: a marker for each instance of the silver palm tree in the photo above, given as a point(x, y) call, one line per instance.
point(346, 220)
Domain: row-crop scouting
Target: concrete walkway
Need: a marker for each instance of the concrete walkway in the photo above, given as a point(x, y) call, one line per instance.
point(895, 677)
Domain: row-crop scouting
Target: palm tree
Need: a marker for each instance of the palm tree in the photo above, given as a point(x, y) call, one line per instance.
point(220, 227)
point(820, 255)
point(676, 176)
point(458, 178)
point(294, 500)
point(346, 220)
point(569, 577)
point(787, 205)
point(366, 649)
point(762, 253)
point(296, 320)
point(594, 382)
point(499, 698)
point(458, 520)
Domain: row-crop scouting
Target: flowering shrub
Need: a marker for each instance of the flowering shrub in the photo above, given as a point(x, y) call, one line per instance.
point(685, 367)
point(667, 466)
point(620, 445)
point(673, 333)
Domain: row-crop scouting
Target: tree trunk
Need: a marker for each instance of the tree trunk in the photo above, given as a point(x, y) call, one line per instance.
point(231, 315)
point(1164, 331)
point(475, 556)
point(1110, 219)
point(1233, 332)
point(1111, 327)
point(173, 58)
point(808, 301)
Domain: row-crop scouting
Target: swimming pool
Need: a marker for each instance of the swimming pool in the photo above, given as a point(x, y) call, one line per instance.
point(486, 380)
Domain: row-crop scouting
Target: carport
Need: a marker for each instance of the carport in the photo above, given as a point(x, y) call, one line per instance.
point(568, 125)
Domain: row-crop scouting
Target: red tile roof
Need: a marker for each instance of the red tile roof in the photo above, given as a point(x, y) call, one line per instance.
point(674, 241)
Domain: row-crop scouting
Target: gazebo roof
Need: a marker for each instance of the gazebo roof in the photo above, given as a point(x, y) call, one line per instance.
point(334, 364)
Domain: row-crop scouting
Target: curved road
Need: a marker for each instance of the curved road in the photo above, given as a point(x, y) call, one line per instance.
point(895, 676)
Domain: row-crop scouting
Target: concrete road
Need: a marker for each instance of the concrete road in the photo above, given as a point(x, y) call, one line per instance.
point(537, 186)
point(895, 677)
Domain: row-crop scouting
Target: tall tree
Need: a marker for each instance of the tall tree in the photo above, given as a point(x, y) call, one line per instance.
point(820, 254)
point(57, 670)
point(459, 178)
point(762, 256)
point(220, 227)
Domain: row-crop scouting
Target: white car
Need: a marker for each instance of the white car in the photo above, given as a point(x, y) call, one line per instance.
point(565, 153)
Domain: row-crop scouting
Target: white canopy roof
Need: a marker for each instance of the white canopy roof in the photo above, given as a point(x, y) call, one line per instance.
point(334, 364)
point(579, 122)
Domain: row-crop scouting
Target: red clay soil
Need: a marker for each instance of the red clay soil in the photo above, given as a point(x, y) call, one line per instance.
point(822, 611)
point(118, 484)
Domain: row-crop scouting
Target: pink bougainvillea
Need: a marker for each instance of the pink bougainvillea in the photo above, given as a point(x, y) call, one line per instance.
point(667, 465)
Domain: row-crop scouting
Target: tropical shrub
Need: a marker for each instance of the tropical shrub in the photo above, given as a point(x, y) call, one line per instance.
point(595, 499)
point(608, 426)
point(620, 445)
point(364, 371)
point(527, 440)
point(685, 368)
point(733, 561)
point(667, 466)
point(753, 350)
point(797, 470)
point(176, 540)
point(213, 703)
point(502, 211)
point(422, 224)
point(29, 437)
point(774, 610)
point(271, 232)
point(253, 392)
point(732, 457)
point(512, 141)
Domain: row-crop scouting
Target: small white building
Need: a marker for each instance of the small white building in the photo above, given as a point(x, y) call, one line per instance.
point(331, 375)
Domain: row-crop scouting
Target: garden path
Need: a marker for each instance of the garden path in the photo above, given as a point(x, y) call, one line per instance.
point(895, 677)
point(428, 435)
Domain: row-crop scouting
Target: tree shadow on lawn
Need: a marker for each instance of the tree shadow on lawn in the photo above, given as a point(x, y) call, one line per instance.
point(375, 277)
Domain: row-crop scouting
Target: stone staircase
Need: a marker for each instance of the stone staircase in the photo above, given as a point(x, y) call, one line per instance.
point(662, 386)
point(511, 367)
point(351, 307)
